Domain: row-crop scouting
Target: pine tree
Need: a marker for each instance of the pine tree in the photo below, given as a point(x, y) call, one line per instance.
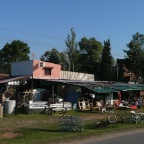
point(106, 62)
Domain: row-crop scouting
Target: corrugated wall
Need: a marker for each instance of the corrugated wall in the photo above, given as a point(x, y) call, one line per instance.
point(76, 76)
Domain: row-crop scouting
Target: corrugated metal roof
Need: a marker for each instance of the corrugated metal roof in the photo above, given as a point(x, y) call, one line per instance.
point(74, 82)
point(16, 78)
point(100, 86)
point(102, 90)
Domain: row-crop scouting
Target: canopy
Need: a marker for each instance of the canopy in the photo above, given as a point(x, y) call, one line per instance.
point(128, 88)
point(120, 86)
point(137, 86)
point(123, 88)
point(102, 90)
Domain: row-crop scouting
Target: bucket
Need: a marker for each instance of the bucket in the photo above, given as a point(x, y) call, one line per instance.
point(75, 106)
point(10, 106)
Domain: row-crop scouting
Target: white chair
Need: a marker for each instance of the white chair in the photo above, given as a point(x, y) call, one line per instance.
point(135, 118)
point(84, 104)
point(98, 105)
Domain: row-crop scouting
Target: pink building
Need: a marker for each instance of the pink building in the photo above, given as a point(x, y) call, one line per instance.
point(37, 69)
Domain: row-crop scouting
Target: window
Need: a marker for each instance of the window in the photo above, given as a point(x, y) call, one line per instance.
point(47, 71)
point(41, 64)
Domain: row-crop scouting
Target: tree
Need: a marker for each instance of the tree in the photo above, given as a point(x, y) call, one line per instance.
point(52, 56)
point(135, 54)
point(106, 62)
point(90, 55)
point(72, 51)
point(13, 52)
point(64, 61)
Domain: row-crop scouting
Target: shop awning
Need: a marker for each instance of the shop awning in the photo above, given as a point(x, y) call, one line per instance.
point(128, 88)
point(138, 86)
point(102, 90)
point(123, 88)
point(120, 86)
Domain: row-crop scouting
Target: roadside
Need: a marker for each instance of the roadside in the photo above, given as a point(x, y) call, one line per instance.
point(42, 128)
point(107, 135)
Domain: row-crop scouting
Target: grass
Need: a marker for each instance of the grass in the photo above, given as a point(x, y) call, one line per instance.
point(42, 128)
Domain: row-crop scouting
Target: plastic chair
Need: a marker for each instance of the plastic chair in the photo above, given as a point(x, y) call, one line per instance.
point(134, 117)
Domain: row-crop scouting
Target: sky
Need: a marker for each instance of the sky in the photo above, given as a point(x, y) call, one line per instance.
point(45, 24)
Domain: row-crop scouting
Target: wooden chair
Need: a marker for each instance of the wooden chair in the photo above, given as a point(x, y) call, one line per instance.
point(98, 105)
point(84, 104)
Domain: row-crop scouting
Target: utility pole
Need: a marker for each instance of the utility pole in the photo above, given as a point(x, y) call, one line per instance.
point(73, 67)
point(69, 65)
point(117, 72)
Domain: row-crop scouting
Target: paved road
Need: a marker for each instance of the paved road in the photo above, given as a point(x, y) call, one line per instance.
point(133, 137)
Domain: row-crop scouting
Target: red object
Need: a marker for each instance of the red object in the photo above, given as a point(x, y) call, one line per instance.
point(133, 107)
point(116, 104)
point(119, 96)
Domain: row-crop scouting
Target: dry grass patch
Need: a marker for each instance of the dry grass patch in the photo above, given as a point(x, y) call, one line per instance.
point(9, 135)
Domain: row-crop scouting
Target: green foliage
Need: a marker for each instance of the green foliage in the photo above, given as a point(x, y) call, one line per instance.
point(135, 54)
point(106, 62)
point(72, 51)
point(13, 52)
point(64, 61)
point(52, 56)
point(90, 54)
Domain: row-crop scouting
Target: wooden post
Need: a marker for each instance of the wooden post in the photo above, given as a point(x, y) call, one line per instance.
point(16, 99)
point(53, 94)
point(63, 94)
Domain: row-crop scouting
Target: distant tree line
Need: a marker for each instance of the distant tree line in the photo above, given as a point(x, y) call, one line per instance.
point(88, 56)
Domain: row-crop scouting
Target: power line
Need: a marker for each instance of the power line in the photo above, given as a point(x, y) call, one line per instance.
point(42, 44)
point(27, 33)
point(33, 42)
point(37, 43)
